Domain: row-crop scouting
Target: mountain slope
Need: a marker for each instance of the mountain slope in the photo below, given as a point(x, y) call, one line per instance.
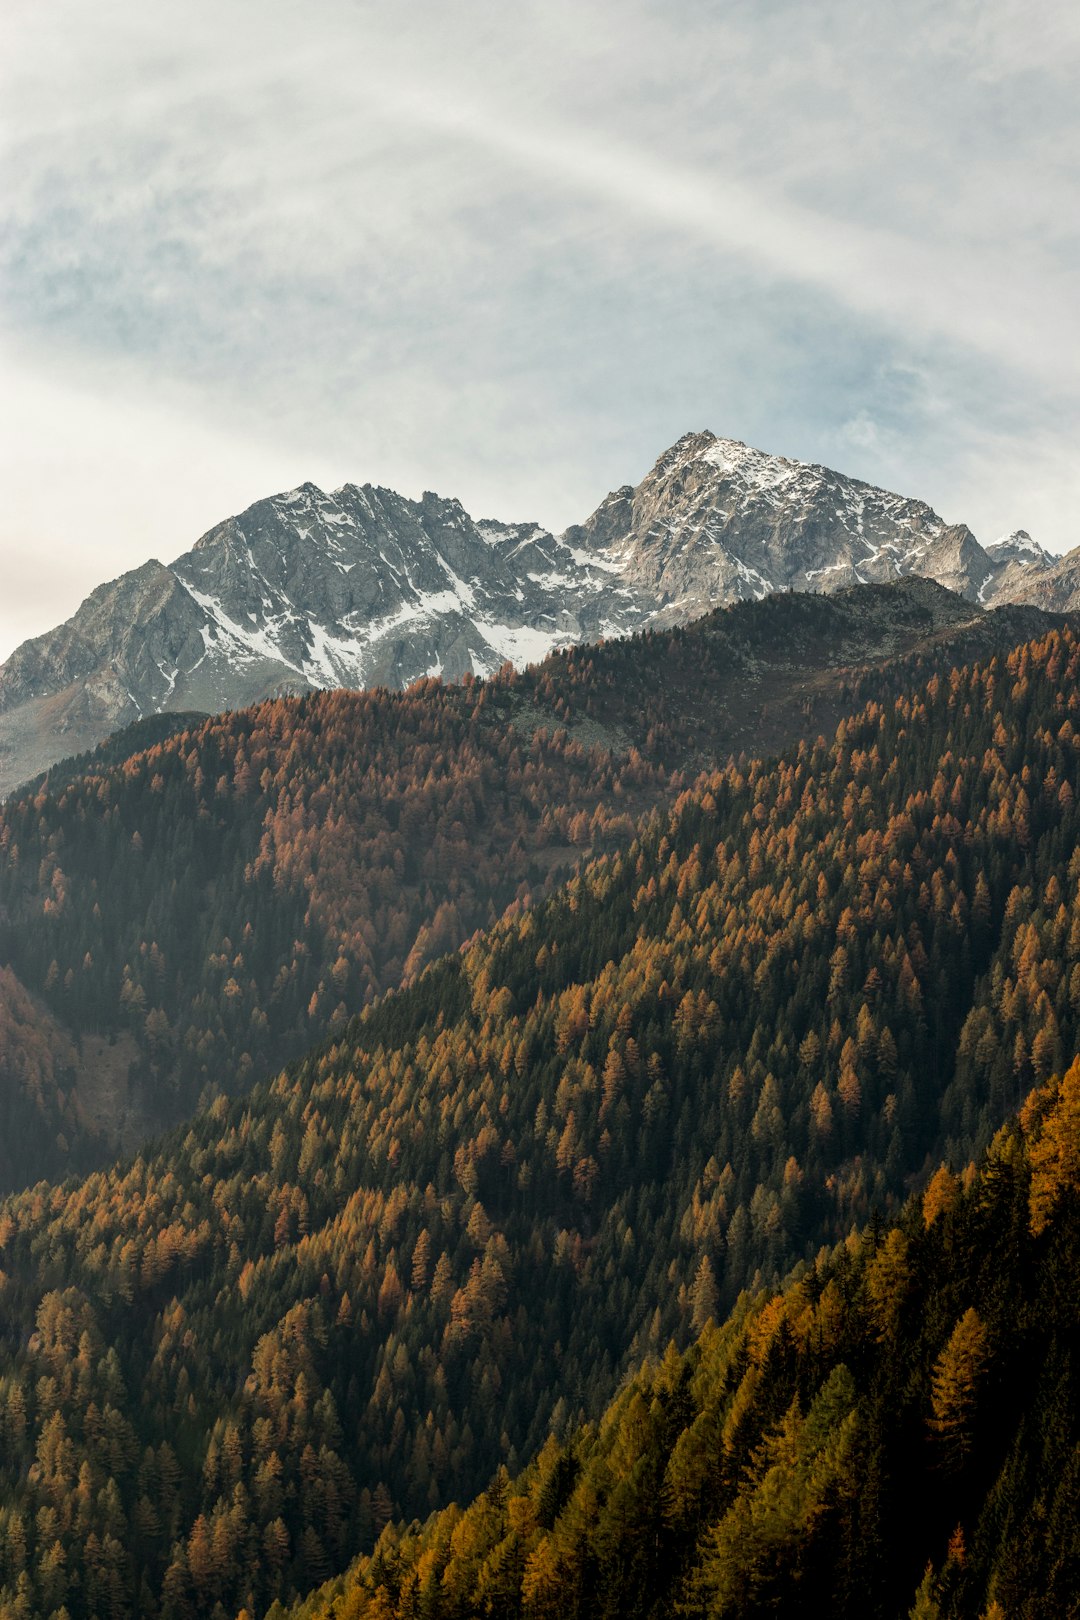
point(1056, 585)
point(363, 587)
point(351, 1295)
point(897, 1432)
point(226, 896)
point(223, 897)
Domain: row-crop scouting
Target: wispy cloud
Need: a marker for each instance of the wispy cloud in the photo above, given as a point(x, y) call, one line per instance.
point(510, 252)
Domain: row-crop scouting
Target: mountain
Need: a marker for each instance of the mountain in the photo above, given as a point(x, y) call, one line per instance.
point(716, 521)
point(363, 587)
point(301, 592)
point(349, 1296)
point(1019, 565)
point(896, 1433)
point(1043, 581)
point(193, 908)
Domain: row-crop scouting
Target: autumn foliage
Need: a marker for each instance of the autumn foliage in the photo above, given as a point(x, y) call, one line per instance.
point(794, 1460)
point(450, 1232)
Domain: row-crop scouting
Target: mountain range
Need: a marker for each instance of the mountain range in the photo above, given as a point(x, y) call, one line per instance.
point(637, 1206)
point(364, 587)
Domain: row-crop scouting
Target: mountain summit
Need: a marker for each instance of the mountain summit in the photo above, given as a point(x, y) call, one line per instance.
point(363, 587)
point(716, 521)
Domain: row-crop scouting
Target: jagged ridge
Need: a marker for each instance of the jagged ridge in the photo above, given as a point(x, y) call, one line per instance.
point(363, 587)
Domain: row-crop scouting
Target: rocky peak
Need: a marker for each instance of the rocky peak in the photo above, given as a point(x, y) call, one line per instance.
point(1019, 547)
point(363, 586)
point(1019, 570)
point(717, 520)
point(128, 616)
point(690, 448)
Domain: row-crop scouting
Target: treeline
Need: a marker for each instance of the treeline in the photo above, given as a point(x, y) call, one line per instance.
point(135, 738)
point(347, 1298)
point(897, 1433)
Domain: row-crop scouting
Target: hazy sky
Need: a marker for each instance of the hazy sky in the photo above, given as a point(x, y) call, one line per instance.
point(511, 252)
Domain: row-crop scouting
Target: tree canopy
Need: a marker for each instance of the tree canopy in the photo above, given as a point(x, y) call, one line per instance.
point(450, 1232)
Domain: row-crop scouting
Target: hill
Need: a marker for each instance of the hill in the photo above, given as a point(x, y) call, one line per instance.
point(199, 913)
point(350, 1296)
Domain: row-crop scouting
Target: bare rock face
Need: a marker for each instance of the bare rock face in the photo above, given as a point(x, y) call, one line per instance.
point(63, 692)
point(363, 587)
point(716, 521)
point(1024, 572)
point(136, 617)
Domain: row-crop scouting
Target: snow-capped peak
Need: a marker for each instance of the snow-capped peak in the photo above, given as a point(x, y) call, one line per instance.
point(363, 586)
point(754, 468)
point(1019, 547)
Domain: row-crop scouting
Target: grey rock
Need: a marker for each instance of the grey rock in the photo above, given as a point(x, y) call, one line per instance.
point(363, 587)
point(716, 521)
point(1024, 572)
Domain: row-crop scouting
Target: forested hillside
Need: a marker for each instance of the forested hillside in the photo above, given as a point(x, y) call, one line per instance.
point(133, 739)
point(897, 1433)
point(37, 1073)
point(351, 1295)
point(224, 897)
point(204, 910)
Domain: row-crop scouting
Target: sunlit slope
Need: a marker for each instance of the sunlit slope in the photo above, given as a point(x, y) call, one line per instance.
point(896, 1433)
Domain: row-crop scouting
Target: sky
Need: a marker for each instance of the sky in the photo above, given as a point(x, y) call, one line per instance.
point(512, 252)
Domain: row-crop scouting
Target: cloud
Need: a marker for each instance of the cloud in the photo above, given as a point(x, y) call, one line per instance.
point(511, 252)
point(861, 431)
point(930, 289)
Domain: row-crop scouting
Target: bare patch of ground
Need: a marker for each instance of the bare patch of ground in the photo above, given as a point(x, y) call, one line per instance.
point(103, 1094)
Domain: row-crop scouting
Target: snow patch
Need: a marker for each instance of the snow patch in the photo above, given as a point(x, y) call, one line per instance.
point(247, 645)
point(520, 644)
point(1021, 546)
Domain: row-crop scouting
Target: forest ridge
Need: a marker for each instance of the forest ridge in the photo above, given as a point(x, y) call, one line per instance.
point(353, 1294)
point(181, 921)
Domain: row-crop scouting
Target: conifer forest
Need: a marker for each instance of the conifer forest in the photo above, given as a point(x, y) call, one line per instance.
point(588, 1167)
